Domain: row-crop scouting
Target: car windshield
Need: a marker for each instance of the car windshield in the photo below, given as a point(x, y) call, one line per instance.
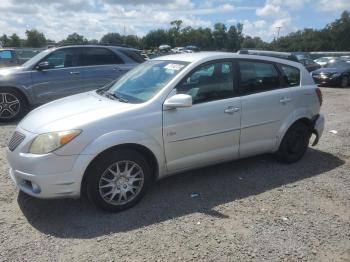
point(338, 64)
point(144, 81)
point(35, 59)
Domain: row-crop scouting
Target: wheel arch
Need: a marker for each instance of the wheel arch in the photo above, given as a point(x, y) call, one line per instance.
point(24, 94)
point(143, 150)
point(301, 116)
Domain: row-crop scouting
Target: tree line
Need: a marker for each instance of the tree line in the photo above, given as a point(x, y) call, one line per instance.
point(333, 37)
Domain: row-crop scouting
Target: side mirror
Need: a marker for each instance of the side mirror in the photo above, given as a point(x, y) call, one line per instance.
point(43, 65)
point(178, 101)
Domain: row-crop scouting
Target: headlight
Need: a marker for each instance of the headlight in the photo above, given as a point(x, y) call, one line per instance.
point(49, 142)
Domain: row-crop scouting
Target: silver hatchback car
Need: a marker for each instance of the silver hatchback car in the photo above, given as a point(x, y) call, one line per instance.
point(168, 115)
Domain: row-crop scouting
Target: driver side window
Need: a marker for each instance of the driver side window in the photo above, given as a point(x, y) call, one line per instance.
point(63, 58)
point(208, 83)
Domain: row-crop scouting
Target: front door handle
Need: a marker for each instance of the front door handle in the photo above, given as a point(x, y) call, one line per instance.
point(230, 110)
point(117, 69)
point(75, 73)
point(285, 100)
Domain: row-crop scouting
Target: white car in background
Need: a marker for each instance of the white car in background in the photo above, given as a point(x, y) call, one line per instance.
point(167, 115)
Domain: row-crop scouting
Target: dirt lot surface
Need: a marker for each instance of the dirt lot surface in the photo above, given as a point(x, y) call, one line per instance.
point(249, 210)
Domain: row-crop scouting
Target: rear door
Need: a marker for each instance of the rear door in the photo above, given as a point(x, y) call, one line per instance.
point(266, 103)
point(208, 131)
point(63, 78)
point(101, 66)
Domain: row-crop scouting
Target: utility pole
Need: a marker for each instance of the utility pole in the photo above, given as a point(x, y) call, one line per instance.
point(278, 31)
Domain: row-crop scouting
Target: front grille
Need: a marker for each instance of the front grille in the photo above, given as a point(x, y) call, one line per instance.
point(15, 140)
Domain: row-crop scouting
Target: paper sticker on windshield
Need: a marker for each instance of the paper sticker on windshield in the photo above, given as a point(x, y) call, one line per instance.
point(174, 66)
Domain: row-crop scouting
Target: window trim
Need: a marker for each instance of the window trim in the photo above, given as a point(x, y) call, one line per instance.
point(280, 78)
point(234, 72)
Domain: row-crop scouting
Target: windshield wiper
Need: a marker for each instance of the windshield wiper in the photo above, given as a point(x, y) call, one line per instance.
point(115, 96)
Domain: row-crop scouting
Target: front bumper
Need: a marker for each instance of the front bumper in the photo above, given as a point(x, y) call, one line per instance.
point(49, 175)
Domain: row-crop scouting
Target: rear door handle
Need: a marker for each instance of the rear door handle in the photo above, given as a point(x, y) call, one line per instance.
point(75, 73)
point(285, 100)
point(230, 110)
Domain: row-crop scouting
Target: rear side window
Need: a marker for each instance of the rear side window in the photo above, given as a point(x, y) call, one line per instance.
point(291, 75)
point(100, 56)
point(257, 77)
point(5, 54)
point(133, 55)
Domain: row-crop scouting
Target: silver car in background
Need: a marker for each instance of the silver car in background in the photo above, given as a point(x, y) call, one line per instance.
point(58, 72)
point(167, 115)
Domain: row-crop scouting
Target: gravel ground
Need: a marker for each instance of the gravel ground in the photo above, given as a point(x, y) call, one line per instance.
point(248, 210)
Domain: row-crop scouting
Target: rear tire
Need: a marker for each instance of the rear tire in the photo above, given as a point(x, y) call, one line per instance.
point(13, 105)
point(344, 81)
point(118, 180)
point(294, 143)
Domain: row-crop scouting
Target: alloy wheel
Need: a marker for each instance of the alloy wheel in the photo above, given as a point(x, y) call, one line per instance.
point(9, 105)
point(121, 182)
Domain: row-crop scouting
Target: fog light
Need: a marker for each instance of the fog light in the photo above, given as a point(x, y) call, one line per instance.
point(36, 189)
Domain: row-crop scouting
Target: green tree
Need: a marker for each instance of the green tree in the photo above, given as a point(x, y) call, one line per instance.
point(4, 40)
point(75, 39)
point(156, 38)
point(15, 41)
point(234, 38)
point(35, 38)
point(220, 36)
point(132, 41)
point(112, 39)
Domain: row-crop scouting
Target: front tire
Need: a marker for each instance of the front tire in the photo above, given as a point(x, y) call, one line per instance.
point(13, 105)
point(294, 143)
point(118, 180)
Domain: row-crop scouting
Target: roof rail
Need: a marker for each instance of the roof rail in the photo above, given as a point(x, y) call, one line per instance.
point(99, 44)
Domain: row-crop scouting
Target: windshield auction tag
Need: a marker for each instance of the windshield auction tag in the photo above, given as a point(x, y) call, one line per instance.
point(174, 66)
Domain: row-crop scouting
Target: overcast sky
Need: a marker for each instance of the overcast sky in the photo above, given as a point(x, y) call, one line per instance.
point(94, 18)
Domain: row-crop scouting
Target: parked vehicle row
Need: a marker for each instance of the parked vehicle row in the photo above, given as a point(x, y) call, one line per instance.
point(59, 72)
point(165, 116)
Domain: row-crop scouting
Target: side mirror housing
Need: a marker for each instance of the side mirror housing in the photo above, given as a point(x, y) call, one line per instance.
point(178, 101)
point(43, 65)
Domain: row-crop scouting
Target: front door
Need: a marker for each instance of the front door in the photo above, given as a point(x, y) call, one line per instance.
point(63, 78)
point(208, 131)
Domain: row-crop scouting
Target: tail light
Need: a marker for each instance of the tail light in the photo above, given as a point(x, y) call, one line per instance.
point(319, 95)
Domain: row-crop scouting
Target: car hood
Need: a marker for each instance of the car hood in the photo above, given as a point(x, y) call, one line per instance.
point(11, 70)
point(71, 112)
point(328, 71)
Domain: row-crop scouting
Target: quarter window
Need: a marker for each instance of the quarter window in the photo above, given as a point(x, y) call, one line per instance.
point(258, 77)
point(100, 56)
point(291, 75)
point(62, 58)
point(210, 82)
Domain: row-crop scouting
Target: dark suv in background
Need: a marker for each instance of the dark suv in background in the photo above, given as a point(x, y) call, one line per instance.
point(59, 72)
